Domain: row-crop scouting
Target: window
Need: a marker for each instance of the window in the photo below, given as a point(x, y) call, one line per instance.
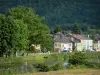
point(55, 45)
point(62, 45)
point(59, 45)
point(69, 44)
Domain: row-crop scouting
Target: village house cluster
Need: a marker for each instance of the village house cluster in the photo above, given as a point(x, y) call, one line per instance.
point(76, 41)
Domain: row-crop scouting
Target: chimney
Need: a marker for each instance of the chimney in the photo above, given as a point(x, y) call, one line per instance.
point(88, 36)
point(72, 39)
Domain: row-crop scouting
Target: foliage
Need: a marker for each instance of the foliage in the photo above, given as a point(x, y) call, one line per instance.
point(93, 65)
point(43, 67)
point(76, 29)
point(57, 29)
point(57, 66)
point(8, 72)
point(23, 35)
point(62, 12)
point(74, 48)
point(77, 58)
point(11, 61)
point(50, 60)
point(4, 35)
point(93, 31)
point(95, 56)
point(13, 35)
point(62, 57)
point(84, 60)
point(38, 31)
point(70, 66)
point(20, 28)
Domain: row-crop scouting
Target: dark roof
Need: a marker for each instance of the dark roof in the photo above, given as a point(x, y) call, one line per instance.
point(75, 40)
point(59, 37)
point(97, 37)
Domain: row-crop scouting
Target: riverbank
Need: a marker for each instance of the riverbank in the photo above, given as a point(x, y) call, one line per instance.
point(46, 63)
point(68, 72)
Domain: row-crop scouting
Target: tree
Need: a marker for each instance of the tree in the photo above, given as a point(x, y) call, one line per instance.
point(45, 38)
point(22, 35)
point(20, 28)
point(57, 29)
point(38, 31)
point(74, 47)
point(4, 35)
point(13, 35)
point(76, 29)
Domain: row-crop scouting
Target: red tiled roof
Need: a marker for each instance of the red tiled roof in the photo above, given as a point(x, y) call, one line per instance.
point(78, 36)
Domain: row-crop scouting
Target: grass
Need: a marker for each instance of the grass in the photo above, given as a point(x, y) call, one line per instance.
point(50, 59)
point(10, 62)
point(39, 58)
point(68, 72)
point(14, 62)
point(93, 57)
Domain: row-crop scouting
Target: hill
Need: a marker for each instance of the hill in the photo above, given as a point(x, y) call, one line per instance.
point(63, 12)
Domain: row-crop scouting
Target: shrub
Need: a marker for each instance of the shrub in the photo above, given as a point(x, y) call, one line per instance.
point(77, 58)
point(77, 66)
point(11, 61)
point(93, 65)
point(42, 67)
point(57, 66)
point(8, 71)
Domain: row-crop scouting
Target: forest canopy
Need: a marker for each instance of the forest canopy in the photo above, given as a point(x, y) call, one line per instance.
point(62, 12)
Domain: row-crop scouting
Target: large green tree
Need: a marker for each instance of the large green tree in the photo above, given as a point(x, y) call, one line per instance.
point(22, 35)
point(38, 31)
point(13, 35)
point(4, 35)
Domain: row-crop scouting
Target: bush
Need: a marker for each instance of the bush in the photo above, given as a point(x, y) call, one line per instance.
point(77, 66)
point(57, 66)
point(42, 67)
point(77, 58)
point(8, 71)
point(11, 61)
point(92, 65)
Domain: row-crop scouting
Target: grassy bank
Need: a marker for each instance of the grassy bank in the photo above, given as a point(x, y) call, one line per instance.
point(68, 72)
point(13, 65)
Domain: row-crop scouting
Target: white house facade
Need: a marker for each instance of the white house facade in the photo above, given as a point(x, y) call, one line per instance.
point(61, 42)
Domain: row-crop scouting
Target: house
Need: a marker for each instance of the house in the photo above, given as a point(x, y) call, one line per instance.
point(96, 43)
point(62, 42)
point(82, 42)
point(35, 48)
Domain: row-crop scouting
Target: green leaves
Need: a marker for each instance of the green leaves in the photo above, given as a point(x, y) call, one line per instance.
point(38, 31)
point(76, 29)
point(4, 35)
point(77, 58)
point(57, 29)
point(20, 28)
point(13, 35)
point(22, 34)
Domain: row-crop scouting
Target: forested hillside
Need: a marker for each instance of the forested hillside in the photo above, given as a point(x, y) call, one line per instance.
point(63, 12)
